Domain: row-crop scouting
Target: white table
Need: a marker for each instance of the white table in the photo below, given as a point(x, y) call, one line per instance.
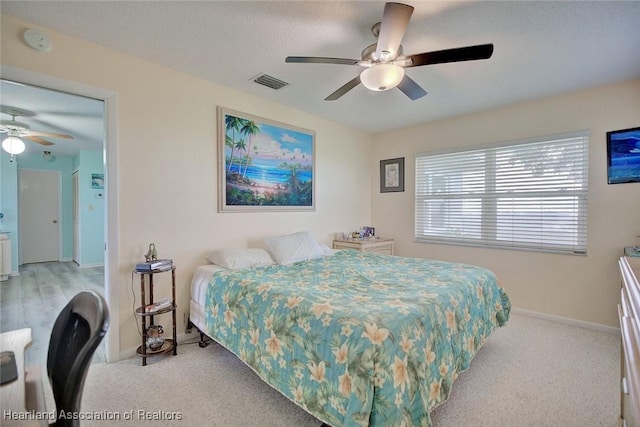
point(26, 393)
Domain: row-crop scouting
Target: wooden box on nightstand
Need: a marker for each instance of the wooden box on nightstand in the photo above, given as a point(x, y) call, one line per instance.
point(379, 245)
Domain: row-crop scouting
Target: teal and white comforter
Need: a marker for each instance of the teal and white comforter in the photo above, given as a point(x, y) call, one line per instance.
point(356, 338)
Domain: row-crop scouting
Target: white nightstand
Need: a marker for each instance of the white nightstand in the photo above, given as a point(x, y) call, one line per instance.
point(379, 245)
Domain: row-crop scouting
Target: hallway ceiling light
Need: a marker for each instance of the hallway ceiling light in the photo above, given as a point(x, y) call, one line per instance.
point(13, 145)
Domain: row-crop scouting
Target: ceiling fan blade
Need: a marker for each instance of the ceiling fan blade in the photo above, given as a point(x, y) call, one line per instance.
point(394, 24)
point(50, 134)
point(410, 88)
point(344, 89)
point(38, 140)
point(321, 60)
point(469, 53)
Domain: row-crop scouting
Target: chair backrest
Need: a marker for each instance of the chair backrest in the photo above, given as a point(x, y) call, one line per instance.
point(76, 334)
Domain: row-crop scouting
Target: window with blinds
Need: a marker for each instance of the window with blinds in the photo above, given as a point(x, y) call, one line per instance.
point(527, 195)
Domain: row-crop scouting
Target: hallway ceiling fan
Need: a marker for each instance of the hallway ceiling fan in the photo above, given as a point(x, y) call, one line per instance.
point(17, 129)
point(384, 61)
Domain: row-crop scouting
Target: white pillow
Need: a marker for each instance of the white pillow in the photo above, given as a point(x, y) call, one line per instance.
point(235, 258)
point(294, 247)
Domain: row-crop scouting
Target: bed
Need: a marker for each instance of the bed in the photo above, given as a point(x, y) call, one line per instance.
point(354, 338)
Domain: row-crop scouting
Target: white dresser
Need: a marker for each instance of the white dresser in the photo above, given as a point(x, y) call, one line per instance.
point(629, 314)
point(5, 256)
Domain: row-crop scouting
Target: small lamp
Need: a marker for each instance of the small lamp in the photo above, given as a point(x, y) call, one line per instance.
point(13, 145)
point(381, 77)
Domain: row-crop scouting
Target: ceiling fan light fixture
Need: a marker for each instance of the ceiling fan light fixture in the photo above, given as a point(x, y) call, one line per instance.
point(382, 77)
point(13, 145)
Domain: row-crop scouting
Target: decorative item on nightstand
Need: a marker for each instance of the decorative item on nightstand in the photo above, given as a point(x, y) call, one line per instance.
point(152, 263)
point(368, 232)
point(155, 337)
point(151, 254)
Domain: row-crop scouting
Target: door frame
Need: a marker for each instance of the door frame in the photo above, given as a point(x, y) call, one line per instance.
point(59, 251)
point(110, 156)
point(74, 218)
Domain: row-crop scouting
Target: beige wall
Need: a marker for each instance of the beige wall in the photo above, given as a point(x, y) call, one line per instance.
point(166, 160)
point(578, 287)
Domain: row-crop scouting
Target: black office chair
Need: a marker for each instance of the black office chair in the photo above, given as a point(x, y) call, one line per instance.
point(76, 334)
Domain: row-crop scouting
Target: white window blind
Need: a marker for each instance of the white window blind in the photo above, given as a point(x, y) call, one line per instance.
point(528, 195)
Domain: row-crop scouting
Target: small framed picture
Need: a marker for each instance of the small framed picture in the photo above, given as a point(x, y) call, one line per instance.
point(97, 181)
point(392, 175)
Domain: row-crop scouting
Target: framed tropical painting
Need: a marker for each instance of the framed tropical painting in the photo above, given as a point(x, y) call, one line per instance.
point(264, 165)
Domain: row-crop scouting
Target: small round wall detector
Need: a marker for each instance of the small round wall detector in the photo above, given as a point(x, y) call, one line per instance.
point(37, 40)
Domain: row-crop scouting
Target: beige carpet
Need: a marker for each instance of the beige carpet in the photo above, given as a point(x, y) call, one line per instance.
point(530, 373)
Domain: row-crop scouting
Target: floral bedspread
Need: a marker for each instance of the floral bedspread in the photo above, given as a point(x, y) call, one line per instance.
point(356, 338)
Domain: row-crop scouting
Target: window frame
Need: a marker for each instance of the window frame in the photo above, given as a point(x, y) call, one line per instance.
point(488, 198)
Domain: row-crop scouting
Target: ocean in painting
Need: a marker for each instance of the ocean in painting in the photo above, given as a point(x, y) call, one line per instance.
point(270, 175)
point(624, 168)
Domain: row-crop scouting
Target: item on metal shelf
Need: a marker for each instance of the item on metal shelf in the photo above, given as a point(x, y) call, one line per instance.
point(155, 337)
point(158, 264)
point(157, 306)
point(151, 254)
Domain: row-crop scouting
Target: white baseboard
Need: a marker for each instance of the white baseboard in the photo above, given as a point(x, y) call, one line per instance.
point(97, 264)
point(566, 320)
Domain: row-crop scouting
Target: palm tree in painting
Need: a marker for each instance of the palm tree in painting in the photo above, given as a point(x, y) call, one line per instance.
point(294, 182)
point(249, 128)
point(228, 141)
point(300, 192)
point(239, 146)
point(232, 124)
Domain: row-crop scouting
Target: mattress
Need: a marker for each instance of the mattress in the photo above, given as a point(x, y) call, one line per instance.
point(199, 282)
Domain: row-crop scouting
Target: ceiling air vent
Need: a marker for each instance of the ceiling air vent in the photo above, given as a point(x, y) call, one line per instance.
point(269, 81)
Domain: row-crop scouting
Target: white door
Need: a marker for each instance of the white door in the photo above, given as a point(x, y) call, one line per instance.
point(39, 211)
point(76, 219)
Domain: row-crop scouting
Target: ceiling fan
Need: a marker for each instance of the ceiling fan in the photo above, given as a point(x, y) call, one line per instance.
point(17, 129)
point(384, 61)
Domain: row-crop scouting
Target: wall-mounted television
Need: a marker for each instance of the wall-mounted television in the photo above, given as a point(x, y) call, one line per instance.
point(623, 156)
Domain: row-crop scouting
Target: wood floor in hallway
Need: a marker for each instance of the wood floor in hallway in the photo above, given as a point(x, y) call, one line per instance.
point(34, 299)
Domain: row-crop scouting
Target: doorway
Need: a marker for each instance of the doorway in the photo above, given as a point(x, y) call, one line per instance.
point(110, 209)
point(39, 208)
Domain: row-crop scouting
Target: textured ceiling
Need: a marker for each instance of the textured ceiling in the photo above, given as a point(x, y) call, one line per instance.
point(541, 48)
